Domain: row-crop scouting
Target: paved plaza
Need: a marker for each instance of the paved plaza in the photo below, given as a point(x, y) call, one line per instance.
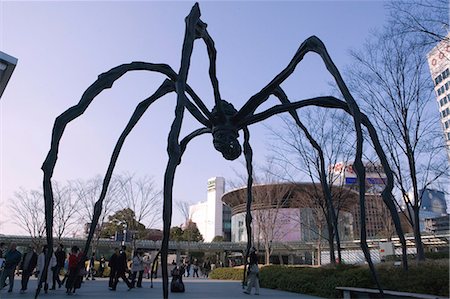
point(195, 289)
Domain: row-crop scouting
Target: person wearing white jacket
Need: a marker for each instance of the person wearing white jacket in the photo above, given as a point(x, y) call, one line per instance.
point(137, 267)
point(40, 267)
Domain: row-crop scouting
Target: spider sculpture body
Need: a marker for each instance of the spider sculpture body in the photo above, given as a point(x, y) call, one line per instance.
point(224, 122)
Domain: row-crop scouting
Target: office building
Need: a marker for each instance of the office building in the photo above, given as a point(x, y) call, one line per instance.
point(439, 63)
point(209, 215)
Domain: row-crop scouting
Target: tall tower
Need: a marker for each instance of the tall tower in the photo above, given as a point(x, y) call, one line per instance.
point(208, 215)
point(439, 63)
point(216, 188)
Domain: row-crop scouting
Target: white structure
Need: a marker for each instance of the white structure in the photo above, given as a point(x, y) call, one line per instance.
point(208, 214)
point(439, 63)
point(7, 65)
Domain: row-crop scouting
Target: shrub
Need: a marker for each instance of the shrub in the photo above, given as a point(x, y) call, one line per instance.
point(227, 273)
point(430, 277)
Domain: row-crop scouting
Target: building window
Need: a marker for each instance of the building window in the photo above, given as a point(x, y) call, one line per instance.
point(438, 79)
point(445, 73)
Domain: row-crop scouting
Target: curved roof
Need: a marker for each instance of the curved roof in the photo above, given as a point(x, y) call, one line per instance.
point(288, 195)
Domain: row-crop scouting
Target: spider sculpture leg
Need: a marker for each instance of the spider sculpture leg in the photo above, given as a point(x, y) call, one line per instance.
point(166, 87)
point(314, 44)
point(248, 153)
point(173, 147)
point(103, 82)
point(332, 102)
point(281, 95)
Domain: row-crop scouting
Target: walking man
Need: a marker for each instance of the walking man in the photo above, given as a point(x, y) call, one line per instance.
point(60, 255)
point(121, 268)
point(112, 264)
point(12, 259)
point(91, 270)
point(27, 265)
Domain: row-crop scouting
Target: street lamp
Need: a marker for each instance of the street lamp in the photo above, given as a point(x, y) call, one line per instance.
point(7, 65)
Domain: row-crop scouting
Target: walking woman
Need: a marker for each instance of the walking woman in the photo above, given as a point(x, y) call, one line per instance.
point(253, 273)
point(71, 283)
point(48, 277)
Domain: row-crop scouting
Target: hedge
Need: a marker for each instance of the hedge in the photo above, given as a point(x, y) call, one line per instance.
point(427, 278)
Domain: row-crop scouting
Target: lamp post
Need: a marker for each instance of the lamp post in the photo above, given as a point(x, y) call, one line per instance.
point(7, 65)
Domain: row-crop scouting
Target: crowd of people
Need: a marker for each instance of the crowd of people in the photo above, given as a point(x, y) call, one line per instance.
point(31, 263)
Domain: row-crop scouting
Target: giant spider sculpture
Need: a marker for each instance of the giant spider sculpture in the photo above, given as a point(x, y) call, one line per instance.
point(224, 122)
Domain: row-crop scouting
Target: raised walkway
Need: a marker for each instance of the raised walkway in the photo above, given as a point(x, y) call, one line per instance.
point(196, 288)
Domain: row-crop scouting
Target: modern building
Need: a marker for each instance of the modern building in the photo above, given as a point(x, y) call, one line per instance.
point(210, 214)
point(433, 205)
point(437, 225)
point(287, 212)
point(439, 63)
point(7, 66)
point(378, 217)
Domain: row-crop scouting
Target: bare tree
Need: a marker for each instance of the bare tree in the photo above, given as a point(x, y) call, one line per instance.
point(426, 20)
point(87, 193)
point(142, 196)
point(309, 153)
point(390, 75)
point(183, 207)
point(269, 201)
point(65, 210)
point(28, 210)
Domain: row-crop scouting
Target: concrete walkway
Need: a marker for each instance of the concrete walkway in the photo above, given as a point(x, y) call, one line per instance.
point(195, 289)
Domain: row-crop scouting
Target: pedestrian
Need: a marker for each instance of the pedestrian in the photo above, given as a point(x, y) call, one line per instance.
point(147, 266)
point(206, 268)
point(60, 255)
point(73, 281)
point(91, 267)
point(188, 268)
point(177, 285)
point(101, 266)
point(112, 264)
point(12, 259)
point(137, 269)
point(195, 268)
point(29, 262)
point(121, 268)
point(47, 276)
point(253, 273)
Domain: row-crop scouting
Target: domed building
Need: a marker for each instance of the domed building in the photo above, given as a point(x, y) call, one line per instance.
point(287, 212)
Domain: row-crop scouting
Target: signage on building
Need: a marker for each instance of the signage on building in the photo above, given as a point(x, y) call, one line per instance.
point(211, 184)
point(375, 176)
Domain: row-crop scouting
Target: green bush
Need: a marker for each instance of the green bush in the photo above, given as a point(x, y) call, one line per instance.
point(227, 273)
point(430, 277)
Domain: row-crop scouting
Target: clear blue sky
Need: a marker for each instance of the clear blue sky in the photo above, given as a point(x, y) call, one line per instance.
point(63, 47)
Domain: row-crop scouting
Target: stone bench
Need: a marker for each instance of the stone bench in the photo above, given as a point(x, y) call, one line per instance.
point(347, 293)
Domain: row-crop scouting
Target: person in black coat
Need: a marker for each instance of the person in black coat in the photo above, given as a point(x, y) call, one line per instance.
point(27, 265)
point(60, 255)
point(121, 268)
point(112, 264)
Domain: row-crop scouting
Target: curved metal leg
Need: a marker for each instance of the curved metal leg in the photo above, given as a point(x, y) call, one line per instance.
point(142, 107)
point(281, 95)
point(248, 153)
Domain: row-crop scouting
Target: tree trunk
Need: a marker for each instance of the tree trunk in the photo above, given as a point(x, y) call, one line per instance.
point(331, 243)
point(417, 235)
